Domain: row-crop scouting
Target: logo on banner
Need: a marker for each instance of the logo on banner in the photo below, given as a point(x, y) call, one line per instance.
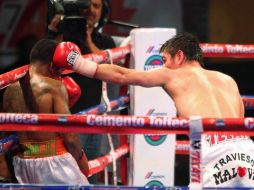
point(154, 61)
point(155, 140)
point(154, 183)
point(151, 175)
point(153, 50)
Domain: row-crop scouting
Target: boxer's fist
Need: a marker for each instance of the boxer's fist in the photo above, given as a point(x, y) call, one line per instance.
point(73, 90)
point(67, 55)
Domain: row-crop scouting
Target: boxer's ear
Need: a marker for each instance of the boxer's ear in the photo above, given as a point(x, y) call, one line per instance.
point(179, 58)
point(55, 70)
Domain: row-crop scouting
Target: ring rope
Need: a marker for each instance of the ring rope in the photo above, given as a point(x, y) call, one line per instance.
point(7, 142)
point(227, 50)
point(121, 124)
point(101, 163)
point(116, 104)
point(12, 76)
point(91, 123)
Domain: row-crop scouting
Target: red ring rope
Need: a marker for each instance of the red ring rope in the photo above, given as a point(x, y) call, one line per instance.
point(12, 76)
point(91, 123)
point(101, 163)
point(227, 50)
point(118, 124)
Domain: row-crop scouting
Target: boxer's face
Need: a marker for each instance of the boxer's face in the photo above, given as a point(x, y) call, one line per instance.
point(168, 60)
point(173, 62)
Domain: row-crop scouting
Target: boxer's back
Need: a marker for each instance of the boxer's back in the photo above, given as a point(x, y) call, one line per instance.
point(197, 91)
point(38, 90)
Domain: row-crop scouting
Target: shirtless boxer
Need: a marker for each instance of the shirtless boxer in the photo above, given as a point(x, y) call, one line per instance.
point(182, 77)
point(227, 160)
point(50, 158)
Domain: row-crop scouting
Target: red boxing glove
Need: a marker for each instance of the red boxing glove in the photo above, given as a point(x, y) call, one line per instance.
point(73, 90)
point(67, 55)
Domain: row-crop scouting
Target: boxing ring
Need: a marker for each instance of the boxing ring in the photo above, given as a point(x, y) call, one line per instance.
point(89, 121)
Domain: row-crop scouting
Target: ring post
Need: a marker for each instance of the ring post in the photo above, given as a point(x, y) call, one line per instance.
point(152, 156)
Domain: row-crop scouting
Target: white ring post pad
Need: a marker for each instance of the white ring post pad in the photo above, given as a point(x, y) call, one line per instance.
point(85, 67)
point(146, 150)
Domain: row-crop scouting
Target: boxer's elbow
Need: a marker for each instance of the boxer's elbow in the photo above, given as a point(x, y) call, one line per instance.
point(72, 143)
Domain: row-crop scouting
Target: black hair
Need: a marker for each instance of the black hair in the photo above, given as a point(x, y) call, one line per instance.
point(105, 14)
point(186, 42)
point(43, 51)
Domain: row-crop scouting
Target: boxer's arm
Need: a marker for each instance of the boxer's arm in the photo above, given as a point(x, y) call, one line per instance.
point(60, 106)
point(71, 140)
point(67, 55)
point(123, 76)
point(4, 171)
